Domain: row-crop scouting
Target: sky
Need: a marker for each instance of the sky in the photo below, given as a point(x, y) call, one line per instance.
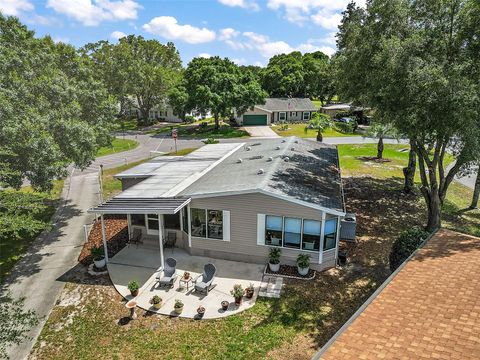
point(248, 32)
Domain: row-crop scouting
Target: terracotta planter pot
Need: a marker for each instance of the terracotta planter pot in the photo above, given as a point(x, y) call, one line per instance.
point(238, 301)
point(134, 293)
point(249, 293)
point(225, 305)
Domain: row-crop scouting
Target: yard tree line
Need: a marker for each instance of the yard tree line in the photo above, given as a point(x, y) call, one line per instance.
point(417, 63)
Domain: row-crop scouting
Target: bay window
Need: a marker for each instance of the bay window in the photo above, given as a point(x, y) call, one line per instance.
point(311, 235)
point(292, 232)
point(330, 235)
point(273, 230)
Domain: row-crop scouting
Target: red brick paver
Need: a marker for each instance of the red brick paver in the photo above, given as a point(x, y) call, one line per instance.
point(430, 310)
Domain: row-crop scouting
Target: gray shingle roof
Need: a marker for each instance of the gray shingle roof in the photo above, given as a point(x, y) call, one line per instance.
point(288, 104)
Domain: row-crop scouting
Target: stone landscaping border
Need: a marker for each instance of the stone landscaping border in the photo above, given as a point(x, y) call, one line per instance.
point(265, 272)
point(92, 272)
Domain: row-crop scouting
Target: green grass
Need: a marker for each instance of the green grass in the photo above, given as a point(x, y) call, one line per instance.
point(113, 186)
point(11, 250)
point(195, 131)
point(126, 125)
point(118, 145)
point(298, 130)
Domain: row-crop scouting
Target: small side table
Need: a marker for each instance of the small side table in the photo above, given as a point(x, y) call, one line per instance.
point(185, 283)
point(131, 306)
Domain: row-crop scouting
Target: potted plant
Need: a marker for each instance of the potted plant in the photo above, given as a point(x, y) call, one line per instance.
point(303, 264)
point(274, 259)
point(178, 307)
point(249, 291)
point(133, 287)
point(200, 311)
point(156, 301)
point(186, 275)
point(237, 293)
point(225, 305)
point(98, 257)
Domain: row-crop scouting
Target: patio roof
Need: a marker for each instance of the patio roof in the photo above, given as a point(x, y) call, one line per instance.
point(141, 206)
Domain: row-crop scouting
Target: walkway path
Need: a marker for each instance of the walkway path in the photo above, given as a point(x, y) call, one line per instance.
point(261, 131)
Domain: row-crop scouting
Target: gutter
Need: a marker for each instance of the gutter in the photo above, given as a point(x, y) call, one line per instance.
point(372, 297)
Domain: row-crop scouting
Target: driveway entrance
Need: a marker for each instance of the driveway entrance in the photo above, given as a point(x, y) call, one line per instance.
point(261, 131)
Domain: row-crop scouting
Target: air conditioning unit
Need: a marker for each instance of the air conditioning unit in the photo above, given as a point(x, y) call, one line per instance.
point(348, 227)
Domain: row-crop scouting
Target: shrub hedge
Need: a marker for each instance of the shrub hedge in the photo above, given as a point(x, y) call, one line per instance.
point(405, 245)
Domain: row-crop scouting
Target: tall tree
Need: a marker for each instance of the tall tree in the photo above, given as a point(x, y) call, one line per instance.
point(284, 76)
point(220, 86)
point(380, 131)
point(53, 111)
point(412, 62)
point(139, 72)
point(476, 190)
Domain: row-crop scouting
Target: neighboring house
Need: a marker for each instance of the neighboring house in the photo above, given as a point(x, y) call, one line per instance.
point(427, 309)
point(332, 110)
point(234, 201)
point(277, 110)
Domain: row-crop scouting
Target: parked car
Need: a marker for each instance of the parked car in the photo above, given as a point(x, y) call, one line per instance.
point(347, 120)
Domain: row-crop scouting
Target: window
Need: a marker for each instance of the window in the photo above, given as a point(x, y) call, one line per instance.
point(292, 233)
point(185, 219)
point(282, 116)
point(138, 219)
point(311, 235)
point(172, 221)
point(215, 224)
point(306, 116)
point(152, 221)
point(199, 222)
point(273, 230)
point(330, 236)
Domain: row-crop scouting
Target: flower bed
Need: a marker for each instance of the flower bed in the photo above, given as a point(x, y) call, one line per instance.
point(290, 272)
point(116, 232)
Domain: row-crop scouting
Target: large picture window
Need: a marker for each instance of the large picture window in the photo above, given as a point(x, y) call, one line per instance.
point(330, 236)
point(273, 230)
point(215, 224)
point(292, 232)
point(282, 116)
point(311, 235)
point(199, 223)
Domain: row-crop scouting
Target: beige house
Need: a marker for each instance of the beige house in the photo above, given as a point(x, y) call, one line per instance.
point(234, 201)
point(278, 110)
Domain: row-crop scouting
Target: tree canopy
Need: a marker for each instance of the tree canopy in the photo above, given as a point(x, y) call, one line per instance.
point(138, 72)
point(53, 111)
point(220, 86)
point(416, 64)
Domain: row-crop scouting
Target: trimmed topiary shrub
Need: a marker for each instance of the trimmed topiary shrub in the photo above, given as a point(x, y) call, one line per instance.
point(405, 245)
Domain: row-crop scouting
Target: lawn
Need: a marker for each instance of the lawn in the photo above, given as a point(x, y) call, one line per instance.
point(118, 145)
point(112, 186)
point(12, 249)
point(197, 131)
point(298, 130)
point(126, 124)
point(84, 324)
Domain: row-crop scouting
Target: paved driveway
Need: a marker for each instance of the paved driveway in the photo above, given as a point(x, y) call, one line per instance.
point(261, 131)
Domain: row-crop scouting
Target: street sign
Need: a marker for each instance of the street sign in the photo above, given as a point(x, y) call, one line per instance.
point(174, 133)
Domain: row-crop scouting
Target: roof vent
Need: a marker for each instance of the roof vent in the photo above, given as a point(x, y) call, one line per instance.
point(249, 148)
point(286, 158)
point(270, 158)
point(283, 140)
point(296, 141)
point(277, 147)
point(260, 172)
point(293, 149)
point(239, 161)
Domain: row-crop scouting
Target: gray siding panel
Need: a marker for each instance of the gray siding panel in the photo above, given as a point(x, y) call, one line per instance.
point(243, 231)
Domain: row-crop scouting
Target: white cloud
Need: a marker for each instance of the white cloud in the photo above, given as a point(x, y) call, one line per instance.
point(228, 33)
point(117, 35)
point(325, 13)
point(15, 7)
point(204, 55)
point(239, 61)
point(93, 12)
point(61, 39)
point(245, 4)
point(168, 27)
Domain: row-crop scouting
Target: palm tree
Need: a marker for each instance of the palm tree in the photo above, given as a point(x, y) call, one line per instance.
point(380, 131)
point(319, 122)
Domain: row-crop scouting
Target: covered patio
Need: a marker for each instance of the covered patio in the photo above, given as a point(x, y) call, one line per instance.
point(142, 265)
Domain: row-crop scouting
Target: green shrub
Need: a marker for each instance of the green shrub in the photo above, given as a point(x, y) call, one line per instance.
point(189, 119)
point(303, 261)
point(274, 255)
point(346, 128)
point(210, 140)
point(405, 245)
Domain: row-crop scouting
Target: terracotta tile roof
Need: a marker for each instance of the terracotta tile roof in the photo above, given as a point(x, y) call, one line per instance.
point(430, 309)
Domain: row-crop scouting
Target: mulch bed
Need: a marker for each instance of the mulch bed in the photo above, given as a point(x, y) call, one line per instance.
point(290, 271)
point(116, 232)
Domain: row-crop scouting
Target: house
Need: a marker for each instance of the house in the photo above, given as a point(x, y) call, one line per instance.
point(234, 201)
point(276, 110)
point(333, 109)
point(427, 309)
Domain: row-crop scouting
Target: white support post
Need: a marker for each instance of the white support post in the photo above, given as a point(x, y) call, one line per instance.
point(160, 239)
point(104, 239)
point(129, 225)
point(322, 235)
point(189, 227)
point(337, 240)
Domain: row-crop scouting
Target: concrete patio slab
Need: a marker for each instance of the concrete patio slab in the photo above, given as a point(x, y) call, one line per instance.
point(141, 264)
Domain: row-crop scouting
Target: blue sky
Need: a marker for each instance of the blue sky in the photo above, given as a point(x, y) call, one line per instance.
point(246, 31)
